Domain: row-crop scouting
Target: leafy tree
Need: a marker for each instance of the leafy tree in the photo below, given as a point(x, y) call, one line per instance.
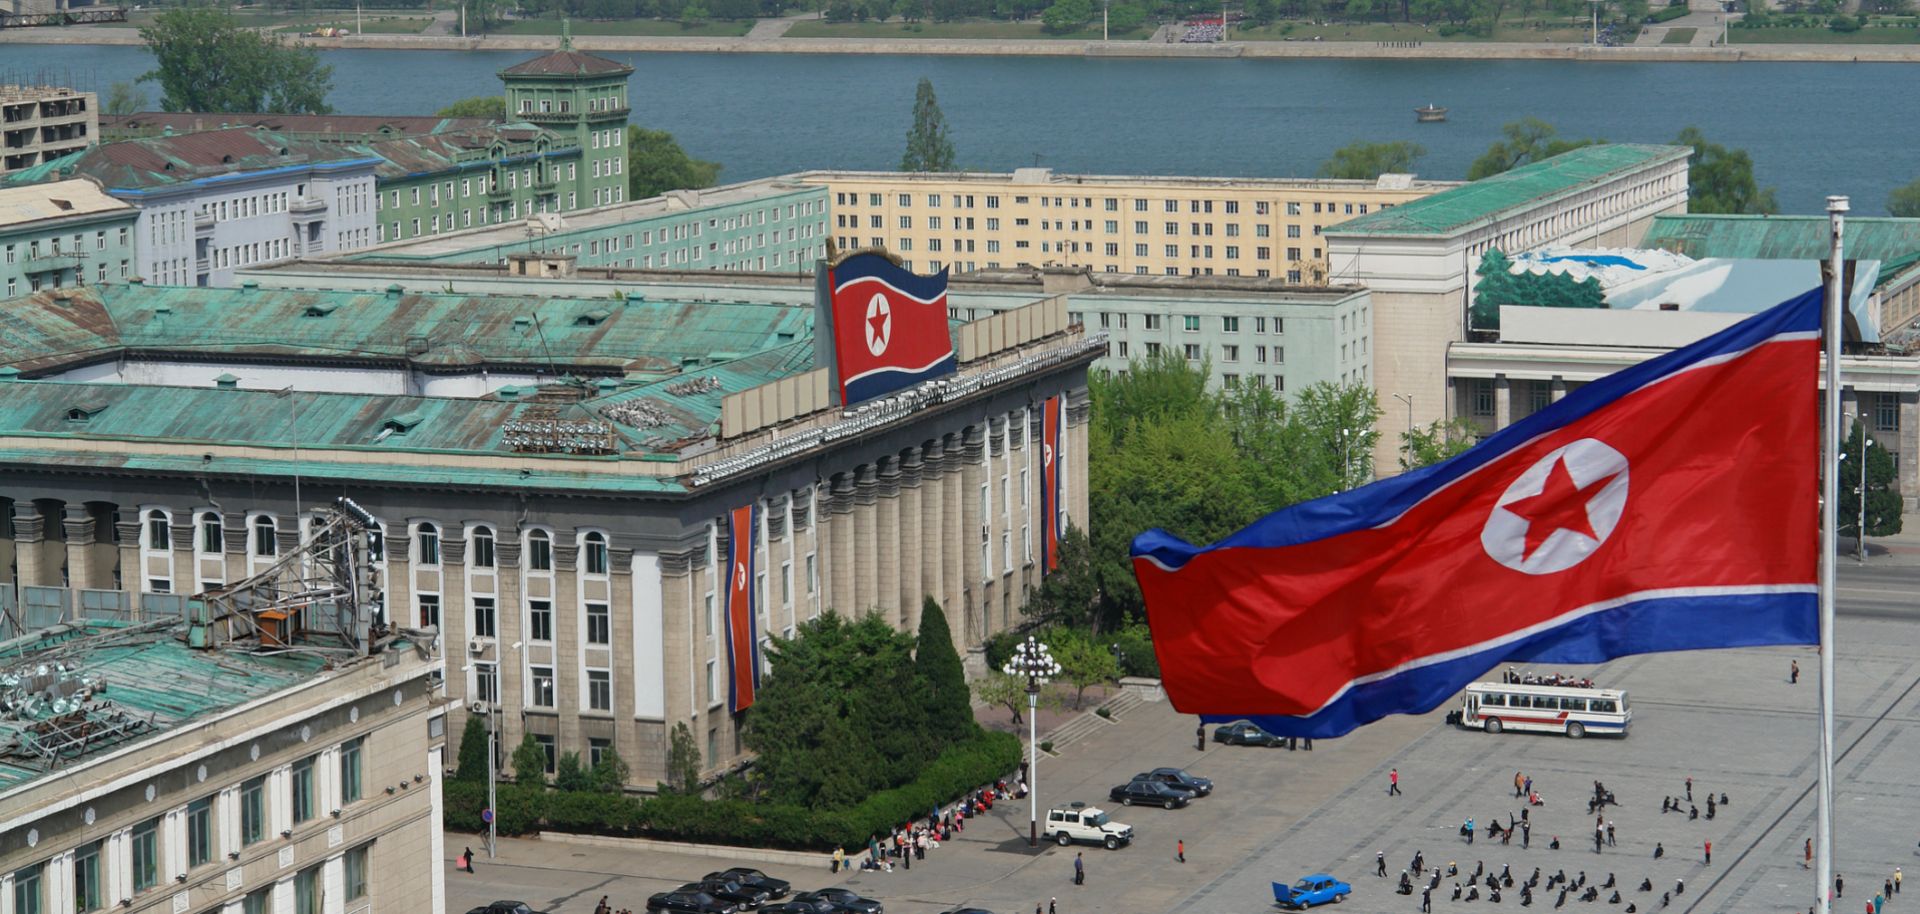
point(1125, 17)
point(1883, 495)
point(928, 146)
point(999, 689)
point(529, 762)
point(1341, 418)
point(656, 164)
point(1720, 180)
point(207, 61)
point(1366, 161)
point(609, 775)
point(1438, 441)
point(944, 677)
point(570, 775)
point(1084, 661)
point(1526, 140)
point(1069, 595)
point(1905, 201)
point(473, 750)
point(124, 98)
point(694, 13)
point(1064, 16)
point(683, 761)
point(494, 106)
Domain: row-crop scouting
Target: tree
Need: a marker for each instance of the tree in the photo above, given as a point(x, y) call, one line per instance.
point(493, 106)
point(683, 762)
point(1125, 17)
point(1905, 201)
point(1340, 419)
point(529, 762)
point(694, 13)
point(1883, 502)
point(1062, 16)
point(1084, 661)
point(473, 750)
point(1439, 441)
point(928, 146)
point(609, 775)
point(1720, 180)
point(999, 689)
point(207, 61)
point(1366, 161)
point(570, 775)
point(1070, 594)
point(124, 98)
point(656, 164)
point(944, 677)
point(1526, 140)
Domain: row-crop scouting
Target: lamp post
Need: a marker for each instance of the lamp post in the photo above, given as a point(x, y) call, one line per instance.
point(1860, 532)
point(1408, 399)
point(1032, 660)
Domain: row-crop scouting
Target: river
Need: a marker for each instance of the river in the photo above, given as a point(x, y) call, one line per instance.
point(1813, 129)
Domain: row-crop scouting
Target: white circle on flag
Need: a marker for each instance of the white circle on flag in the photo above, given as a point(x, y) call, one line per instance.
point(740, 574)
point(1560, 510)
point(879, 324)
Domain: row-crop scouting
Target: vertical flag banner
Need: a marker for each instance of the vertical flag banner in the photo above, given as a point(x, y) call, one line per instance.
point(1050, 484)
point(889, 327)
point(743, 636)
point(1670, 506)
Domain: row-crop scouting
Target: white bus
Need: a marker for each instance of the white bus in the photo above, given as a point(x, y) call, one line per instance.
point(1498, 706)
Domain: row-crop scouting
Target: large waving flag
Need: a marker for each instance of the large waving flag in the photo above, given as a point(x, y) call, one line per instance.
point(889, 327)
point(1669, 506)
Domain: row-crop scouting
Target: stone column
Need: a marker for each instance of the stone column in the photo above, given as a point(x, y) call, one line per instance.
point(1502, 402)
point(233, 528)
point(510, 622)
point(887, 551)
point(568, 684)
point(907, 522)
point(29, 542)
point(955, 538)
point(679, 633)
point(866, 542)
point(933, 527)
point(1557, 389)
point(78, 523)
point(1908, 479)
point(127, 528)
point(973, 571)
point(840, 567)
point(1079, 413)
point(186, 578)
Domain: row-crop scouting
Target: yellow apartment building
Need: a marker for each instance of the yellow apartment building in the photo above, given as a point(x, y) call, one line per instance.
point(1161, 226)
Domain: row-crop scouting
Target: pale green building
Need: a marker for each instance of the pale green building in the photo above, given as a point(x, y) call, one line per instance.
point(62, 234)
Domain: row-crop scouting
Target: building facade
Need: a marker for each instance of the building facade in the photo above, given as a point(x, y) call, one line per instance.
point(67, 233)
point(39, 124)
point(562, 536)
point(583, 98)
point(216, 781)
point(1158, 226)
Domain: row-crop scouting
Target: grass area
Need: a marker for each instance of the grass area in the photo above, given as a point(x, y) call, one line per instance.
point(645, 27)
point(820, 28)
point(1531, 33)
point(1679, 36)
point(253, 19)
point(1869, 35)
point(383, 25)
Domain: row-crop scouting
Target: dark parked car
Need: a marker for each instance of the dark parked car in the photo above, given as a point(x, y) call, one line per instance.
point(505, 907)
point(810, 906)
point(969, 911)
point(1244, 733)
point(775, 888)
point(1149, 793)
point(691, 903)
point(844, 900)
point(1176, 777)
point(728, 890)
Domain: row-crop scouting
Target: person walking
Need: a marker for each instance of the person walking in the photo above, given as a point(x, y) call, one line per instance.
point(1079, 869)
point(1518, 785)
point(1839, 886)
point(1180, 854)
point(1052, 905)
point(1896, 880)
point(1809, 855)
point(1599, 837)
point(1393, 782)
point(1380, 864)
point(602, 907)
point(466, 861)
point(1610, 833)
point(839, 859)
point(1689, 788)
point(1526, 833)
point(1709, 850)
point(1426, 900)
point(1793, 673)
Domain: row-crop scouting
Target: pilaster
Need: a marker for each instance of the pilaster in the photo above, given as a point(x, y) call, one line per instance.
point(888, 555)
point(840, 570)
point(1502, 402)
point(866, 583)
point(909, 524)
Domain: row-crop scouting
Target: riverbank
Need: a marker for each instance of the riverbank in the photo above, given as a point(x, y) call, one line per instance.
point(1307, 50)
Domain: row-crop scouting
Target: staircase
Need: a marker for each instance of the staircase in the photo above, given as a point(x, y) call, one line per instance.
point(1117, 704)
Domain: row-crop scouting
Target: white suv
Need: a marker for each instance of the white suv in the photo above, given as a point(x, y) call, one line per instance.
point(1087, 825)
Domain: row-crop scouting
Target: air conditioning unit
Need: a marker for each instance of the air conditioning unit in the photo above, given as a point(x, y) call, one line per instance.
point(477, 647)
point(478, 707)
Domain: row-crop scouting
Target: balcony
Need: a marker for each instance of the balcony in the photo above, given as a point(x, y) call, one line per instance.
point(203, 223)
point(50, 263)
point(498, 194)
point(546, 185)
point(307, 206)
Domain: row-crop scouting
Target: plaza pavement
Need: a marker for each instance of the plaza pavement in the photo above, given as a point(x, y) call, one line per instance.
point(1728, 718)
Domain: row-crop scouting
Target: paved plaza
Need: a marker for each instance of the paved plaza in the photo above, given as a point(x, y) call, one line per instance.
point(1729, 719)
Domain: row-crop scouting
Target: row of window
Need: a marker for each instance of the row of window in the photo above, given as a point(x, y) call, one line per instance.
point(35, 281)
point(1111, 204)
point(53, 245)
point(265, 541)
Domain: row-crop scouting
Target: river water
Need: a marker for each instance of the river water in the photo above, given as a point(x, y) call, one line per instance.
point(1812, 128)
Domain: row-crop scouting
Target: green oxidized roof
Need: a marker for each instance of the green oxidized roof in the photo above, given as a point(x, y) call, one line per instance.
point(148, 673)
point(1463, 207)
point(1782, 237)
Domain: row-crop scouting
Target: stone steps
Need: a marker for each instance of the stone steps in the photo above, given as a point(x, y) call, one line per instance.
point(1089, 722)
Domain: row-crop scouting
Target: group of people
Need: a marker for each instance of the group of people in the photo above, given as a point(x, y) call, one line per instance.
point(604, 908)
point(910, 841)
point(1515, 677)
point(1468, 890)
point(1203, 34)
point(1877, 903)
point(1674, 804)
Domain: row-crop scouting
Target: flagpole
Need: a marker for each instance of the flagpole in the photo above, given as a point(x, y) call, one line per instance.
point(1829, 496)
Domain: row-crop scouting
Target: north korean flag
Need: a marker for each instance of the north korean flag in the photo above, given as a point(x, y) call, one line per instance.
point(889, 327)
point(743, 635)
point(1670, 506)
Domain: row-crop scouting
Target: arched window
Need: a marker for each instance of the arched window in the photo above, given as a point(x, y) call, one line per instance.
point(213, 533)
point(539, 551)
point(426, 542)
point(596, 553)
point(265, 536)
point(481, 555)
point(159, 532)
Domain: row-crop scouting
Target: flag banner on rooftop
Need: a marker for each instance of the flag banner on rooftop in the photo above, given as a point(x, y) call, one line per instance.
point(889, 326)
point(743, 640)
point(1670, 506)
point(1050, 422)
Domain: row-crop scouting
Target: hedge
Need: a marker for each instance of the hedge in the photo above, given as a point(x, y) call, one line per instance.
point(522, 810)
point(1669, 14)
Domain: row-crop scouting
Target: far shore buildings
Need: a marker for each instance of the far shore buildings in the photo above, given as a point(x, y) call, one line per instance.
point(39, 124)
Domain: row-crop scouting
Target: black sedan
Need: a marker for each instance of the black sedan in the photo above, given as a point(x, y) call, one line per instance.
point(690, 903)
point(505, 907)
point(745, 896)
point(1178, 778)
point(1149, 793)
point(843, 900)
point(811, 906)
point(775, 888)
point(1244, 733)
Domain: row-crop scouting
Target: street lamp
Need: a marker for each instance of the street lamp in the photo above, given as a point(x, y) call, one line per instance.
point(1032, 660)
point(1860, 533)
point(1408, 399)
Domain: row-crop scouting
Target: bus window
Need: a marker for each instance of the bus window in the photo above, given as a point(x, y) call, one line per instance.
point(1491, 700)
point(1602, 705)
point(1573, 704)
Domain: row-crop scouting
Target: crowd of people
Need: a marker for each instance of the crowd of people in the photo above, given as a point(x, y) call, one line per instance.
point(1516, 677)
point(1203, 33)
point(910, 841)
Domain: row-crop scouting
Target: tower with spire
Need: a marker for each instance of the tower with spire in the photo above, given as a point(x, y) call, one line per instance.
point(582, 96)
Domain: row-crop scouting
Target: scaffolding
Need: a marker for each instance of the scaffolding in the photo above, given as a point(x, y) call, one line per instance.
point(325, 595)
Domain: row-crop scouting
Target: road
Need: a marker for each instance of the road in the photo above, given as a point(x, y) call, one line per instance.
point(1729, 719)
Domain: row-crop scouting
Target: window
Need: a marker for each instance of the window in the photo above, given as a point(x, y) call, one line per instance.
point(597, 749)
point(1886, 413)
point(356, 873)
point(599, 624)
point(426, 545)
point(813, 575)
point(265, 543)
point(303, 790)
point(1483, 398)
point(350, 752)
point(542, 686)
point(258, 901)
point(596, 553)
point(306, 891)
point(429, 609)
point(539, 551)
point(1192, 352)
point(482, 543)
point(546, 748)
point(1190, 323)
point(28, 897)
point(86, 878)
point(200, 832)
point(486, 682)
point(713, 697)
point(213, 538)
point(1153, 322)
point(253, 811)
point(159, 534)
point(540, 620)
point(485, 618)
point(146, 855)
point(599, 690)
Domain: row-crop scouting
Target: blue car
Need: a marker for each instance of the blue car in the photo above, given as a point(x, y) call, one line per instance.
point(1316, 889)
